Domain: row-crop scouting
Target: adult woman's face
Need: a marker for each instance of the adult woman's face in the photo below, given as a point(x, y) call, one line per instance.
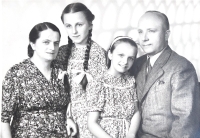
point(47, 45)
point(77, 27)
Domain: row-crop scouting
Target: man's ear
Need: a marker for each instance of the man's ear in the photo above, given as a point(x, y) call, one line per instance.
point(167, 33)
point(109, 55)
point(32, 45)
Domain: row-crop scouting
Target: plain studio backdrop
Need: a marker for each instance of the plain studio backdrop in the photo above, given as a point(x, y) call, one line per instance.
point(112, 18)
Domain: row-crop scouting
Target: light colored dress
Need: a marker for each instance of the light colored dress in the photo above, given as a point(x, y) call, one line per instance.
point(115, 98)
point(96, 67)
point(37, 105)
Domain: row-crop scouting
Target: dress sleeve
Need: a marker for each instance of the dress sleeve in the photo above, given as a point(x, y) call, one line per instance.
point(95, 96)
point(97, 61)
point(9, 95)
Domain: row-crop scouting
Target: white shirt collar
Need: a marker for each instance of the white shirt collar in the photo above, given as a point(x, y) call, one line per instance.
point(155, 57)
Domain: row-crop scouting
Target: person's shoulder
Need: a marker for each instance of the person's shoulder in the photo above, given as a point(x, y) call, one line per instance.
point(63, 47)
point(20, 67)
point(97, 51)
point(94, 45)
point(96, 83)
point(62, 52)
point(137, 65)
point(57, 64)
point(130, 78)
point(143, 57)
point(21, 64)
point(177, 61)
point(140, 60)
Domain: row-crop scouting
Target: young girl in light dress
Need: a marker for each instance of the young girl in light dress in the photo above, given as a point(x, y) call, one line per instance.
point(83, 59)
point(112, 99)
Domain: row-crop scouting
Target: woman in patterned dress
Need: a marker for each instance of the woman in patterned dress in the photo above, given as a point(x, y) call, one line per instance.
point(83, 58)
point(34, 97)
point(112, 99)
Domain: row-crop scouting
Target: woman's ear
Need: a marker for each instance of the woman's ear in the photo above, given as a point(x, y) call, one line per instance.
point(109, 55)
point(32, 45)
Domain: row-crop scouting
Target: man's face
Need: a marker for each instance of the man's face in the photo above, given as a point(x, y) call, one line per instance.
point(152, 33)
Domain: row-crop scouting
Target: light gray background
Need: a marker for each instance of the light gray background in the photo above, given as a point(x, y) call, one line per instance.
point(113, 17)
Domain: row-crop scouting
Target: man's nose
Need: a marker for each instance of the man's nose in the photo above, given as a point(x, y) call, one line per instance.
point(145, 36)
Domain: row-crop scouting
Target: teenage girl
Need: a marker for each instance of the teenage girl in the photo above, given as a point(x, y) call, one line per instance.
point(83, 59)
point(112, 99)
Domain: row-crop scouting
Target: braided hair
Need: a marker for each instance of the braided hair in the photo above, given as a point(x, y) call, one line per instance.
point(87, 51)
point(73, 8)
point(68, 50)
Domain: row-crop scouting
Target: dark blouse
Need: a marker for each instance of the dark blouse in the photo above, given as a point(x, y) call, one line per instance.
point(37, 105)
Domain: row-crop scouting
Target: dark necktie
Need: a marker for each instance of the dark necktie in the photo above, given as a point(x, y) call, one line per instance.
point(149, 67)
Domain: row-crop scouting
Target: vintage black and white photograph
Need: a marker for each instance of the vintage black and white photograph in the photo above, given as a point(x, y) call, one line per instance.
point(100, 69)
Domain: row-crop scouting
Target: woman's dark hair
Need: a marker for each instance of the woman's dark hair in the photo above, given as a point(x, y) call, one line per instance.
point(35, 34)
point(114, 44)
point(73, 8)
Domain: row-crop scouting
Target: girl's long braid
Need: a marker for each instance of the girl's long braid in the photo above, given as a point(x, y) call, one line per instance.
point(85, 63)
point(68, 53)
point(87, 51)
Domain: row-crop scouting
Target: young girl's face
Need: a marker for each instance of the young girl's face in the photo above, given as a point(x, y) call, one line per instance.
point(77, 27)
point(122, 58)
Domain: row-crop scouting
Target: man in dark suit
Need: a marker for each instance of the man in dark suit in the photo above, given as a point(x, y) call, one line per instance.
point(167, 84)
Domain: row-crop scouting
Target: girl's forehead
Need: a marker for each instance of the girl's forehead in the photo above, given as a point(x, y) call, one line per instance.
point(121, 44)
point(124, 47)
point(74, 17)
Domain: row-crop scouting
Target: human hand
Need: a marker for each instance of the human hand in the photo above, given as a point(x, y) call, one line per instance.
point(71, 127)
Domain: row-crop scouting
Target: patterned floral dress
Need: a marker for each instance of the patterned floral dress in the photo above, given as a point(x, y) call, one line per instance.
point(96, 67)
point(115, 98)
point(37, 105)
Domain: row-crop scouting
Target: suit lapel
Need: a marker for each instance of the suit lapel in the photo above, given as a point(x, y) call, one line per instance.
point(156, 71)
